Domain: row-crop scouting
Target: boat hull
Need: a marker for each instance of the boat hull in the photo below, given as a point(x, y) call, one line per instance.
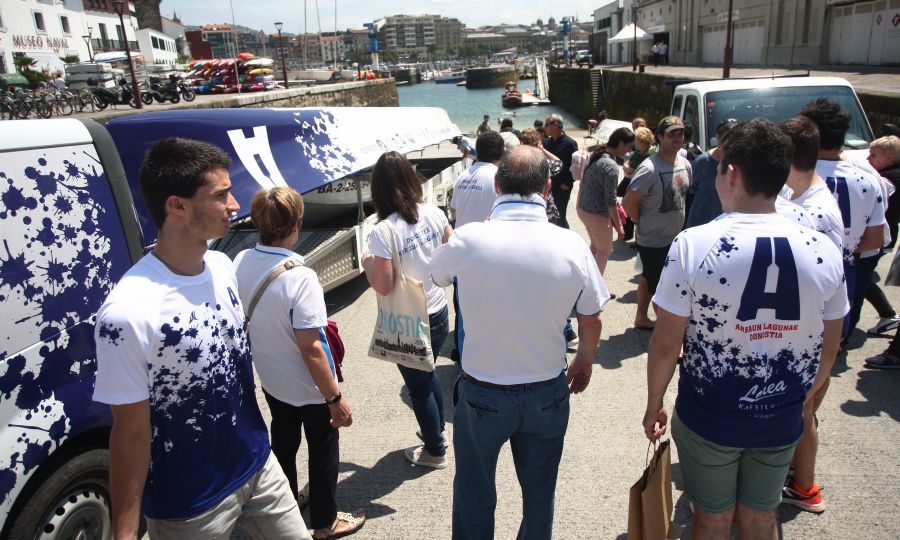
point(512, 101)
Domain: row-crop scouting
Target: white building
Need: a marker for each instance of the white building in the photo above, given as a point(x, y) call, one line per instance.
point(46, 30)
point(776, 32)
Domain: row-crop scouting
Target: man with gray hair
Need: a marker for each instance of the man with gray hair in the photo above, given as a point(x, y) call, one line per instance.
point(562, 146)
point(515, 384)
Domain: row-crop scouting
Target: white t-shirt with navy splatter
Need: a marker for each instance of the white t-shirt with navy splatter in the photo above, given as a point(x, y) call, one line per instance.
point(858, 194)
point(756, 288)
point(179, 342)
point(822, 208)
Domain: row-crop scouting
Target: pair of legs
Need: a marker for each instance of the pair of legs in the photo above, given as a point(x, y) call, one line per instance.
point(865, 269)
point(805, 453)
point(561, 197)
point(533, 418)
point(600, 233)
point(425, 389)
point(653, 259)
point(322, 442)
point(731, 485)
point(263, 506)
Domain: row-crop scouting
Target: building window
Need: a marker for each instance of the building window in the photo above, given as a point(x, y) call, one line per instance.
point(64, 23)
point(39, 24)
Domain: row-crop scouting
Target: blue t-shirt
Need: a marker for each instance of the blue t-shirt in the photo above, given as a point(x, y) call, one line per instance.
point(179, 342)
point(753, 344)
point(705, 205)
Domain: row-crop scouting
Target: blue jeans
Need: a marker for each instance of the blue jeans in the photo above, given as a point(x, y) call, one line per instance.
point(425, 389)
point(534, 418)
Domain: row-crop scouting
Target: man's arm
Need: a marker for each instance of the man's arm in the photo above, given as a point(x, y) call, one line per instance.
point(871, 239)
point(317, 361)
point(632, 204)
point(662, 357)
point(129, 461)
point(582, 367)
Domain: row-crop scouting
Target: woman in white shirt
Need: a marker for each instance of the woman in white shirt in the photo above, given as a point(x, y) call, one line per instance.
point(418, 229)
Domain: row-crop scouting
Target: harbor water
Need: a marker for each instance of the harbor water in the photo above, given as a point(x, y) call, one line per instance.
point(467, 107)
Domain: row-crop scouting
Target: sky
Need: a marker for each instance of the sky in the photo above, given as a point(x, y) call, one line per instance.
point(262, 14)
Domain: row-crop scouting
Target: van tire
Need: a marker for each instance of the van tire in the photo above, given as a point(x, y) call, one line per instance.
point(72, 502)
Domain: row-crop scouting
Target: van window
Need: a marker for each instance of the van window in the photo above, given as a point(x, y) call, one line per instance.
point(779, 104)
point(691, 108)
point(61, 243)
point(676, 106)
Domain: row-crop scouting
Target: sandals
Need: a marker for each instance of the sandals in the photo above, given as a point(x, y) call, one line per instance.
point(344, 525)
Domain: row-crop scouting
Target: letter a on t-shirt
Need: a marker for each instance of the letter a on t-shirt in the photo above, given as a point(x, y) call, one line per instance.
point(785, 299)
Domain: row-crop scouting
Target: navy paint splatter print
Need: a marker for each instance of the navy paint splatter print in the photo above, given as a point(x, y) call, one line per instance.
point(62, 250)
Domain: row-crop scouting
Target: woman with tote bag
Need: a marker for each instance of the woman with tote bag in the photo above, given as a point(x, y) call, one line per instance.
point(412, 229)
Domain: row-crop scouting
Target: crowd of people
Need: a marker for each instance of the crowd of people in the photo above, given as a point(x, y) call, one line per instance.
point(721, 237)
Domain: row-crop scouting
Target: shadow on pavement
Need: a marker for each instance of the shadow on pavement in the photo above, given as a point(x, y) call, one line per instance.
point(614, 349)
point(345, 295)
point(622, 252)
point(879, 388)
point(370, 484)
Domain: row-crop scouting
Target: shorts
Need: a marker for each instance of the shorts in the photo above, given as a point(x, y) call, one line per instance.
point(653, 260)
point(716, 477)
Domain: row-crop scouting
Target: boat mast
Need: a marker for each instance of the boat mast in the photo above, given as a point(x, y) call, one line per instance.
point(335, 35)
point(305, 41)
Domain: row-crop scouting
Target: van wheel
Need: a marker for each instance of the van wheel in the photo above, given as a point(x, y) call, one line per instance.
point(73, 502)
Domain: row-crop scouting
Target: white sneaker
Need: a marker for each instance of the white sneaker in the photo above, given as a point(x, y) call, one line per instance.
point(884, 325)
point(423, 458)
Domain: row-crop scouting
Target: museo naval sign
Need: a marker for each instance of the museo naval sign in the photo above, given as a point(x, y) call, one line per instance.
point(40, 43)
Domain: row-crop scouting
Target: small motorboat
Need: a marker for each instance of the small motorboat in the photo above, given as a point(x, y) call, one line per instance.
point(512, 96)
point(446, 77)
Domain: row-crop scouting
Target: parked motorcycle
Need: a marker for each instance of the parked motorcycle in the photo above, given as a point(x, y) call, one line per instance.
point(187, 93)
point(104, 97)
point(152, 90)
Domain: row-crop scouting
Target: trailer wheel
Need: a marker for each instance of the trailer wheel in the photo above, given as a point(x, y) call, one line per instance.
point(72, 502)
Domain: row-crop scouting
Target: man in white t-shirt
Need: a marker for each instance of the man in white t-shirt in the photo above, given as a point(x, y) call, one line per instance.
point(188, 440)
point(859, 197)
point(807, 189)
point(473, 192)
point(758, 339)
point(292, 357)
point(515, 385)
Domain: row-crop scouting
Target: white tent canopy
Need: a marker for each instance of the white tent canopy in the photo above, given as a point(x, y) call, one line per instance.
point(628, 34)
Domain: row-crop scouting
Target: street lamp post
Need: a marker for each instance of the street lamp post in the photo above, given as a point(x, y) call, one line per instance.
point(279, 25)
point(87, 40)
point(634, 55)
point(119, 5)
point(726, 66)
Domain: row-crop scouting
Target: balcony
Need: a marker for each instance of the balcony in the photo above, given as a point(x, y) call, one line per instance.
point(100, 44)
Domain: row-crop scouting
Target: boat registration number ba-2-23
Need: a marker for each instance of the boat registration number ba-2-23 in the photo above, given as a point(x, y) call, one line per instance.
point(342, 186)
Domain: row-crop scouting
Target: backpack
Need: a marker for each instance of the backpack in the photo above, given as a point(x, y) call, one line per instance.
point(693, 151)
point(580, 161)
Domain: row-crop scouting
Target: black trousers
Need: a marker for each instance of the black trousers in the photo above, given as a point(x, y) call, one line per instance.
point(322, 443)
point(561, 196)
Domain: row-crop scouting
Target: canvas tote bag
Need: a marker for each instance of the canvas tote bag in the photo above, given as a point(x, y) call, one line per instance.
point(402, 332)
point(650, 499)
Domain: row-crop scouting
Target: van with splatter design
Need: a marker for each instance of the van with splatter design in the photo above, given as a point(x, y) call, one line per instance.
point(68, 232)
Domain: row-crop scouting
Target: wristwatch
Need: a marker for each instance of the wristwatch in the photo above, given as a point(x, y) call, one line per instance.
point(334, 400)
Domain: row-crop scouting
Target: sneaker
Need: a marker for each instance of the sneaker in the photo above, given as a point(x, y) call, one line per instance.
point(884, 360)
point(423, 458)
point(571, 340)
point(810, 501)
point(884, 325)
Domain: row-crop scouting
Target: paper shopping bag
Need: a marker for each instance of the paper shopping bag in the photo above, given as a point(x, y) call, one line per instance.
point(650, 500)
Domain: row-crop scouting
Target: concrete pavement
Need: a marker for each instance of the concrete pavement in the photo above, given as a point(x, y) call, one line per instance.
point(605, 446)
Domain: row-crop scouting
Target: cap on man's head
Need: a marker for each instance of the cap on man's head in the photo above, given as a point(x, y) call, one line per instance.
point(669, 123)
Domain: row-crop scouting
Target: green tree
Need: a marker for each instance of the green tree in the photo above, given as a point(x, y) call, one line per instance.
point(70, 59)
point(539, 23)
point(36, 78)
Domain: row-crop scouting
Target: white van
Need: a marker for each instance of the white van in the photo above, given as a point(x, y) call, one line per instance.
point(705, 104)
